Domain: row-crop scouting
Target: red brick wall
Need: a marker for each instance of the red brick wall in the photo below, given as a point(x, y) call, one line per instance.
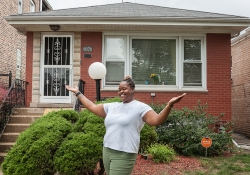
point(29, 66)
point(218, 96)
point(93, 39)
point(241, 86)
point(219, 74)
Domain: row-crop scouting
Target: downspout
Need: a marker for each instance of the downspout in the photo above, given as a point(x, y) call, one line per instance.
point(235, 144)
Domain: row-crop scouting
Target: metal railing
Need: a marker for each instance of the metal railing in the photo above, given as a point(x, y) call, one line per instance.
point(14, 98)
point(10, 77)
point(78, 104)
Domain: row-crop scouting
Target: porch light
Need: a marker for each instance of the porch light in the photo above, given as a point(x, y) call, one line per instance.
point(97, 71)
point(54, 27)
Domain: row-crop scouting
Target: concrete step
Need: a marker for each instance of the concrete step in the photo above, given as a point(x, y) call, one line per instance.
point(28, 111)
point(2, 156)
point(14, 128)
point(9, 137)
point(5, 146)
point(22, 119)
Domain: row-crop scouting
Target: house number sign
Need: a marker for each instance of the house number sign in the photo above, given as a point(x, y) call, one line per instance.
point(87, 49)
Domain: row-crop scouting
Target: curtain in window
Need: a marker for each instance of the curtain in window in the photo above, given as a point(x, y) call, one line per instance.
point(115, 56)
point(154, 56)
point(192, 63)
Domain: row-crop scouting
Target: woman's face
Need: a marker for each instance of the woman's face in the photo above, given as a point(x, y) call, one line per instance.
point(125, 92)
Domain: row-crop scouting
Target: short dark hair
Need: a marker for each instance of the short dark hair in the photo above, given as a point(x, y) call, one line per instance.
point(130, 81)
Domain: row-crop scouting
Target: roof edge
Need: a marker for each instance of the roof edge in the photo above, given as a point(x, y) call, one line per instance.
point(38, 19)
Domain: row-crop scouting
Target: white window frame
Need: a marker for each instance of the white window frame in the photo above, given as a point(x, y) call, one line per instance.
point(202, 61)
point(32, 6)
point(20, 6)
point(179, 61)
point(116, 60)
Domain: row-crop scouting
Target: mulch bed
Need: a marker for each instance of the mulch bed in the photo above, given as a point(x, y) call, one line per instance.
point(148, 167)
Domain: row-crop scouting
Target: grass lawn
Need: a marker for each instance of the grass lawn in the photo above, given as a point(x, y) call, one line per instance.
point(235, 164)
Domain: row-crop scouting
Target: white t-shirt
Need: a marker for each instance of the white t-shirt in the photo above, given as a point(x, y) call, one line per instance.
point(123, 124)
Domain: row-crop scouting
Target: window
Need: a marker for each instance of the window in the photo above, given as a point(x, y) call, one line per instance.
point(32, 6)
point(192, 63)
point(178, 61)
point(18, 63)
point(115, 54)
point(20, 6)
point(154, 56)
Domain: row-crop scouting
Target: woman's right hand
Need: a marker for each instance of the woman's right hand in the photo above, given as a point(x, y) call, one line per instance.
point(72, 89)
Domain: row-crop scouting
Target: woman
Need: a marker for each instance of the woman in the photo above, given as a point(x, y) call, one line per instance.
point(123, 122)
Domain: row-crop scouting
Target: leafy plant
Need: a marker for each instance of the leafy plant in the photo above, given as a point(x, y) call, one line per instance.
point(161, 153)
point(185, 128)
point(147, 137)
point(157, 107)
point(78, 154)
point(34, 149)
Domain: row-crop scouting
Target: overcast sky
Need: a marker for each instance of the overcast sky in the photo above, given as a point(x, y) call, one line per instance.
point(231, 7)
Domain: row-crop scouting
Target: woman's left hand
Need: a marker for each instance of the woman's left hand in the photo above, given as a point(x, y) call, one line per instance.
point(176, 99)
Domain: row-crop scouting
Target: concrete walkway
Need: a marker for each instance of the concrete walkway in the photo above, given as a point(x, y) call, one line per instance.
point(241, 142)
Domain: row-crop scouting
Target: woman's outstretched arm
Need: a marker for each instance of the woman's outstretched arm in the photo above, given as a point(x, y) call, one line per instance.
point(154, 119)
point(95, 108)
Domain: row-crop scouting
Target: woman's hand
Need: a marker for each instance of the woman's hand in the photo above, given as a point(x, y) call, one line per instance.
point(175, 100)
point(72, 89)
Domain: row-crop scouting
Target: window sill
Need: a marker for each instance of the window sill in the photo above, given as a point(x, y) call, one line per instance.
point(158, 88)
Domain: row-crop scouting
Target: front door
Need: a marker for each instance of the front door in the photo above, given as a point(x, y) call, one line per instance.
point(56, 68)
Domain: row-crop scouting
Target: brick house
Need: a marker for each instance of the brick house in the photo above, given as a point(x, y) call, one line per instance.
point(13, 42)
point(189, 50)
point(241, 83)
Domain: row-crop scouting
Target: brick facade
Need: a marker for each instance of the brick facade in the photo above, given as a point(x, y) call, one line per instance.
point(241, 84)
point(218, 96)
point(29, 67)
point(11, 39)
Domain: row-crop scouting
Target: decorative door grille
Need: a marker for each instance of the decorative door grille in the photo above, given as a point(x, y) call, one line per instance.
point(56, 66)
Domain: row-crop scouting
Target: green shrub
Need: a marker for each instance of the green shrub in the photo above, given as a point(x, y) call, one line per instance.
point(78, 154)
point(185, 128)
point(161, 153)
point(147, 137)
point(89, 123)
point(157, 107)
point(34, 149)
point(110, 100)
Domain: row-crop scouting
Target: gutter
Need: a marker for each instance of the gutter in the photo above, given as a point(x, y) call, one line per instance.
point(124, 21)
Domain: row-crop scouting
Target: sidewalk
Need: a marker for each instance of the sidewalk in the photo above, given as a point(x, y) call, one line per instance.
point(241, 142)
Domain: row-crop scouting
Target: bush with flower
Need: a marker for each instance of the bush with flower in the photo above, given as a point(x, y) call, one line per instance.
point(156, 77)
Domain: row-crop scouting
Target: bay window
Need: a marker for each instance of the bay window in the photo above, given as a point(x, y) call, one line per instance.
point(173, 61)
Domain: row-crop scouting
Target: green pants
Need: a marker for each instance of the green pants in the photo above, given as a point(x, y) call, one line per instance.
point(118, 162)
